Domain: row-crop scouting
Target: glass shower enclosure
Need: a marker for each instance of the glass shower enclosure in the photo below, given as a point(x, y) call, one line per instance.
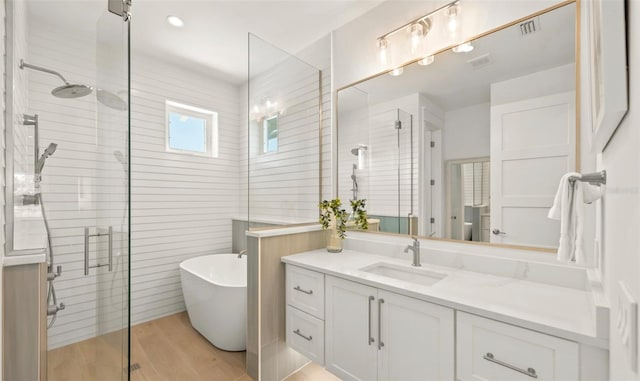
point(68, 169)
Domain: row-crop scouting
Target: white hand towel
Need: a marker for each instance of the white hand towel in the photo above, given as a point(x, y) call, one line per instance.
point(563, 210)
point(568, 207)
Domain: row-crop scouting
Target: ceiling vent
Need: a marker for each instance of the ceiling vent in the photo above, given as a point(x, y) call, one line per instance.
point(480, 61)
point(530, 27)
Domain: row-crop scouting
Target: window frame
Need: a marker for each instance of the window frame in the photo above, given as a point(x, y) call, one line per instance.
point(211, 128)
point(263, 127)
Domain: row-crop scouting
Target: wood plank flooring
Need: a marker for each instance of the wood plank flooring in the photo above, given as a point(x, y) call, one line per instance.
point(167, 349)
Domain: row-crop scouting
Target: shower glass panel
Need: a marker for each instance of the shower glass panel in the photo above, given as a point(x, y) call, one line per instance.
point(284, 137)
point(283, 174)
point(376, 146)
point(70, 152)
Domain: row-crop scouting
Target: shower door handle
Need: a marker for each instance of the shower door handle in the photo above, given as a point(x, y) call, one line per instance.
point(87, 236)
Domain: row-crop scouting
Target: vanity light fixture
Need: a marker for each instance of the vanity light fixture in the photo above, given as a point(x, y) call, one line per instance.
point(397, 71)
point(383, 52)
point(453, 12)
point(417, 33)
point(463, 48)
point(263, 109)
point(175, 21)
point(418, 29)
point(428, 60)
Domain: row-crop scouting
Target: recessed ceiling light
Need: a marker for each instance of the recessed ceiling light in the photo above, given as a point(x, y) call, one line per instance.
point(428, 60)
point(463, 48)
point(397, 71)
point(175, 21)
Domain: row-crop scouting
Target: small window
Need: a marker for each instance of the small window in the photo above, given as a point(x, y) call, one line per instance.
point(191, 130)
point(269, 134)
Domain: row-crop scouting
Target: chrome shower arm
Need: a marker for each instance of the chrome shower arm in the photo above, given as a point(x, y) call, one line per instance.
point(42, 69)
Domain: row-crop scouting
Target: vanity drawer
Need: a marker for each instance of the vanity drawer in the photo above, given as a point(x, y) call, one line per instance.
point(305, 290)
point(490, 350)
point(305, 334)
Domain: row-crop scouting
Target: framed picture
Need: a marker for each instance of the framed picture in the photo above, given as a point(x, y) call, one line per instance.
point(608, 68)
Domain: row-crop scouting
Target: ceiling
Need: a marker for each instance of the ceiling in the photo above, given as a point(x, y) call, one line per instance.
point(215, 33)
point(452, 82)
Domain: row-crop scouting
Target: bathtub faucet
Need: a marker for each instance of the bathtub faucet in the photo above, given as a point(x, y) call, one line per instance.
point(242, 252)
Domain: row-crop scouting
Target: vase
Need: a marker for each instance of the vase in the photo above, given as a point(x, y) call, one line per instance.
point(334, 242)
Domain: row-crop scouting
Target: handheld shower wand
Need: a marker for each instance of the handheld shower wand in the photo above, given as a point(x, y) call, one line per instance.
point(45, 155)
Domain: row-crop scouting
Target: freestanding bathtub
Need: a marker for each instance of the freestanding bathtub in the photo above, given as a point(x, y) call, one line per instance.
point(215, 292)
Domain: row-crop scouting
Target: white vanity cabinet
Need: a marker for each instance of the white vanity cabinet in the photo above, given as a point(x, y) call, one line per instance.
point(373, 334)
point(361, 332)
point(494, 351)
point(305, 312)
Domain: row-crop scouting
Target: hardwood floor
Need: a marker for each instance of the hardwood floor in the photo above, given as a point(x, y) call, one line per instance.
point(166, 349)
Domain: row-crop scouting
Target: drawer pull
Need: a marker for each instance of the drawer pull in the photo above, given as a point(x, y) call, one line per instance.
point(529, 372)
point(308, 338)
point(297, 288)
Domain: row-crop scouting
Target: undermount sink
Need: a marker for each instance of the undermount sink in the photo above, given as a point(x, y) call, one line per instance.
point(407, 274)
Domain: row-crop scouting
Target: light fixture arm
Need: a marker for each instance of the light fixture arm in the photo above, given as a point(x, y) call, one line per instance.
point(42, 69)
point(420, 19)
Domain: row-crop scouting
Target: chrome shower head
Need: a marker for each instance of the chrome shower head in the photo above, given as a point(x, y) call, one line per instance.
point(69, 91)
point(47, 152)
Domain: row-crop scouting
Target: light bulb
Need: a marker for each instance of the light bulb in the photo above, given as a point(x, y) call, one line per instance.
point(382, 51)
point(452, 19)
point(426, 61)
point(397, 71)
point(417, 32)
point(175, 21)
point(463, 48)
point(268, 103)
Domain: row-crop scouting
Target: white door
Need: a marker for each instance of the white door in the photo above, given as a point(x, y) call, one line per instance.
point(418, 339)
point(455, 228)
point(350, 321)
point(532, 146)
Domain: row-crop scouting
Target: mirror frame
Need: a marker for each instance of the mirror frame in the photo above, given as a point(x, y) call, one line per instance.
point(448, 47)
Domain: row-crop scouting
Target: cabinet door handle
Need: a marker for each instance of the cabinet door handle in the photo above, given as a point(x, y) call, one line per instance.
point(297, 288)
point(371, 339)
point(529, 371)
point(308, 338)
point(380, 343)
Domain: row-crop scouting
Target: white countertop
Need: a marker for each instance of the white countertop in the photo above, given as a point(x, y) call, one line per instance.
point(283, 231)
point(560, 311)
point(25, 257)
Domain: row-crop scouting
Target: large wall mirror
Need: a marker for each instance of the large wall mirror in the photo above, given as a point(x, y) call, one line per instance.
point(472, 145)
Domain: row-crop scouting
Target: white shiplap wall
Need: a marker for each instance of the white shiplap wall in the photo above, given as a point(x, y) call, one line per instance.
point(3, 164)
point(22, 144)
point(182, 204)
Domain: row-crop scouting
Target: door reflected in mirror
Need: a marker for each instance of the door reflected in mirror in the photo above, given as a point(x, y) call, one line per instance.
point(491, 133)
point(468, 200)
